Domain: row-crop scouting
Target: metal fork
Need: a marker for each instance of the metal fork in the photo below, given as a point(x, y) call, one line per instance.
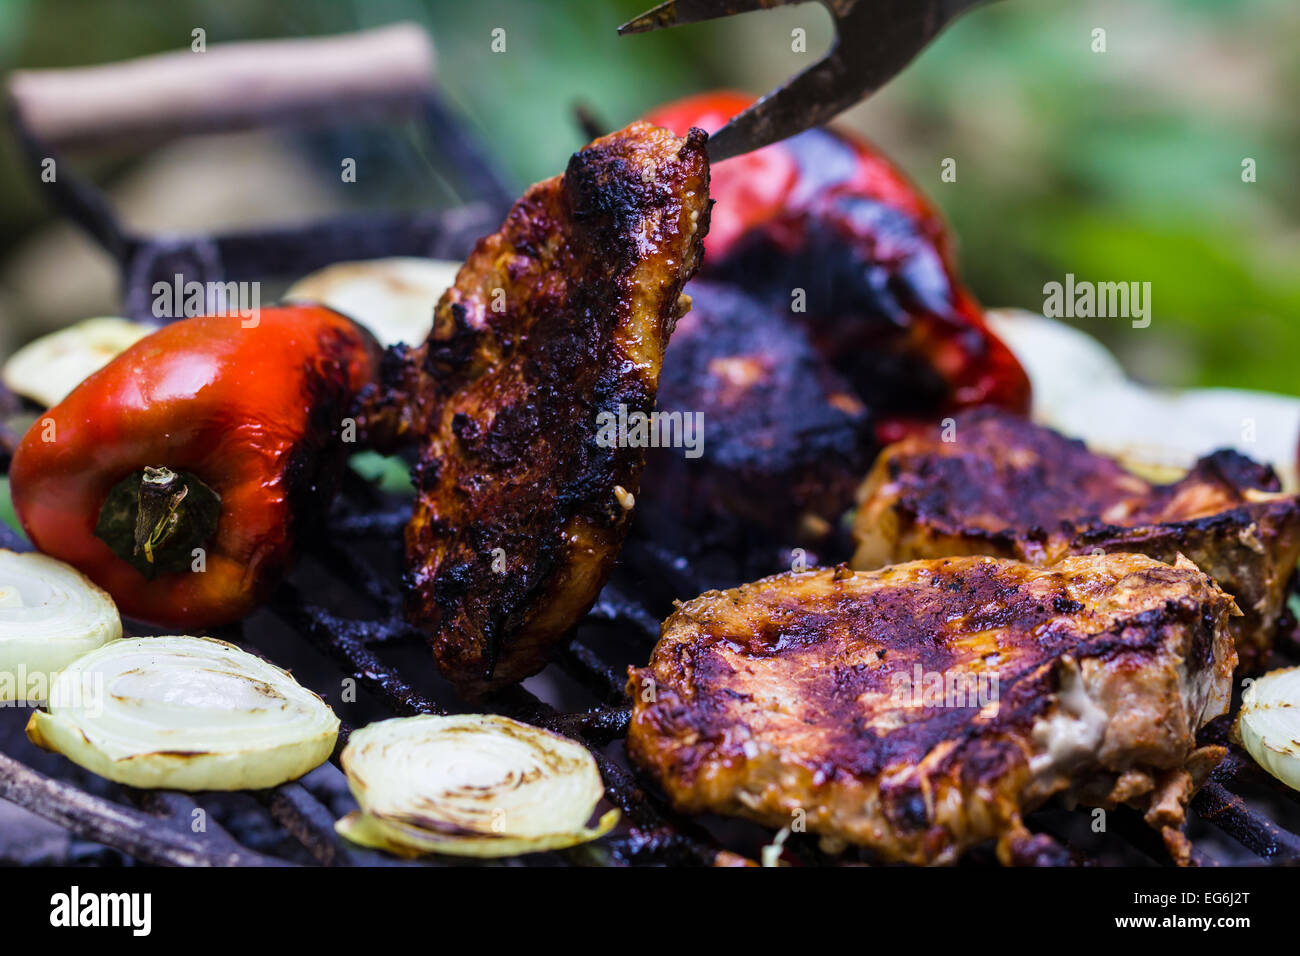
point(875, 39)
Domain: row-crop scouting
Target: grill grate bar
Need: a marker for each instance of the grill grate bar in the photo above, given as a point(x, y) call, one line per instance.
point(614, 607)
point(345, 641)
point(585, 666)
point(181, 812)
point(311, 823)
point(143, 836)
point(389, 523)
point(1238, 767)
point(1217, 804)
point(348, 565)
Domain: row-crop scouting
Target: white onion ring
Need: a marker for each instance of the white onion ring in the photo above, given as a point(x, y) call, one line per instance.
point(1269, 723)
point(50, 614)
point(470, 785)
point(47, 369)
point(393, 298)
point(185, 713)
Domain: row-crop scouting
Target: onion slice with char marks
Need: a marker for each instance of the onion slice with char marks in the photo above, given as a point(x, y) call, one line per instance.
point(1269, 723)
point(1081, 390)
point(393, 298)
point(47, 369)
point(50, 614)
point(185, 713)
point(470, 785)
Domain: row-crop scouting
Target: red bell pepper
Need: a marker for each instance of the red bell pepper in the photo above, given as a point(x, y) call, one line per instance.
point(827, 212)
point(175, 476)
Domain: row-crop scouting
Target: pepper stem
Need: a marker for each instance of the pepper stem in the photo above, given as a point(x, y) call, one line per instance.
point(161, 494)
point(155, 518)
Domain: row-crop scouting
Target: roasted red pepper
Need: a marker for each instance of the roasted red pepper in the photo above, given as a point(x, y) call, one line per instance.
point(175, 476)
point(825, 213)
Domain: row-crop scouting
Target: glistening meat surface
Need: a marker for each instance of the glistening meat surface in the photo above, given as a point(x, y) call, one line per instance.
point(1006, 487)
point(804, 696)
point(559, 317)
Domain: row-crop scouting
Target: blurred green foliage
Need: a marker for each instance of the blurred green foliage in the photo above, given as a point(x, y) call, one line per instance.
point(1127, 165)
point(1122, 165)
point(389, 473)
point(7, 514)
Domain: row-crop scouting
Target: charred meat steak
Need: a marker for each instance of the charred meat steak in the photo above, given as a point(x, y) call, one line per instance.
point(923, 709)
point(1006, 487)
point(781, 439)
point(560, 318)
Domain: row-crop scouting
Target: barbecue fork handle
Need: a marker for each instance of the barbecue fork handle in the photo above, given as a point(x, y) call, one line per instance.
point(230, 86)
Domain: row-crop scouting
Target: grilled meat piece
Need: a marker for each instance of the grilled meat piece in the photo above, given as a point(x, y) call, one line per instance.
point(559, 317)
point(1009, 488)
point(785, 440)
point(816, 692)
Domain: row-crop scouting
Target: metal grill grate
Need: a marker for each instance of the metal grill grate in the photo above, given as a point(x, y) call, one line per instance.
point(157, 828)
point(342, 617)
point(154, 827)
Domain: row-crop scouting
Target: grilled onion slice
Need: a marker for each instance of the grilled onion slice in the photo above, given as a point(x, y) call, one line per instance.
point(1081, 390)
point(393, 298)
point(50, 614)
point(1269, 723)
point(50, 367)
point(470, 785)
point(184, 713)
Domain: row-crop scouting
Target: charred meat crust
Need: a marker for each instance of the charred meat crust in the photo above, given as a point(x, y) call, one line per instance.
point(561, 315)
point(1008, 488)
point(781, 696)
point(785, 435)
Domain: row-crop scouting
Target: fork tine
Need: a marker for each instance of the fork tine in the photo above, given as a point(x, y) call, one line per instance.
point(812, 98)
point(674, 13)
point(875, 40)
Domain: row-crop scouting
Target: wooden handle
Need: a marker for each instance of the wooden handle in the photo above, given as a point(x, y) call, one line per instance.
point(232, 86)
